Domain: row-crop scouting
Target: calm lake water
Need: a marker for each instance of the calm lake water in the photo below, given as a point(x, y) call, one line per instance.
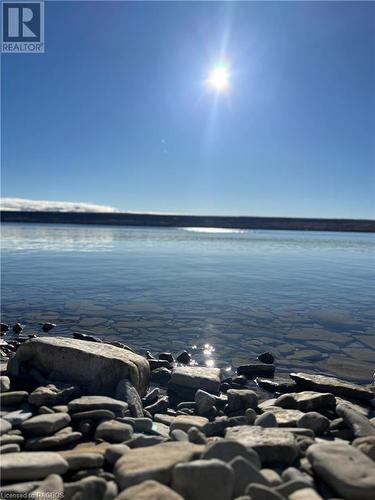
point(226, 296)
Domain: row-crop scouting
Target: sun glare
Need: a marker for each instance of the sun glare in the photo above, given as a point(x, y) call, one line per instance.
point(219, 78)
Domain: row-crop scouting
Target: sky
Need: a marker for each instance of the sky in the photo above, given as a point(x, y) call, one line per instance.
point(118, 110)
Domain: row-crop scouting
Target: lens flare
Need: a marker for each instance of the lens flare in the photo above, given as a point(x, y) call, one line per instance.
point(219, 78)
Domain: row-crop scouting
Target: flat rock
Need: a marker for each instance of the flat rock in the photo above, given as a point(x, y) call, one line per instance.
point(12, 398)
point(185, 422)
point(349, 472)
point(149, 490)
point(113, 431)
point(359, 424)
point(60, 439)
point(97, 366)
point(241, 399)
point(197, 377)
point(86, 403)
point(136, 466)
point(273, 445)
point(333, 385)
point(23, 465)
point(284, 417)
point(254, 370)
point(17, 417)
point(93, 415)
point(309, 401)
point(47, 423)
point(203, 479)
point(82, 460)
point(51, 395)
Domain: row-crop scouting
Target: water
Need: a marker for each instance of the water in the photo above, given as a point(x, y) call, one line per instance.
point(226, 296)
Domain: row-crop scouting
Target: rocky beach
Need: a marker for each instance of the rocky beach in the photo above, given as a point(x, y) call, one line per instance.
point(85, 418)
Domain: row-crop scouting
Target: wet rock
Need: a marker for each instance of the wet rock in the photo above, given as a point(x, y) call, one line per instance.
point(346, 470)
point(272, 445)
point(203, 479)
point(13, 398)
point(196, 436)
point(359, 424)
point(114, 452)
point(266, 357)
point(167, 356)
point(149, 490)
point(253, 370)
point(241, 399)
point(184, 358)
point(4, 383)
point(244, 474)
point(333, 385)
point(125, 391)
point(161, 375)
point(267, 419)
point(52, 394)
point(136, 466)
point(366, 445)
point(113, 431)
point(91, 487)
point(159, 363)
point(314, 421)
point(46, 327)
point(4, 327)
point(197, 377)
point(23, 465)
point(87, 338)
point(184, 422)
point(204, 401)
point(5, 426)
point(86, 403)
point(97, 366)
point(42, 425)
point(226, 450)
point(17, 328)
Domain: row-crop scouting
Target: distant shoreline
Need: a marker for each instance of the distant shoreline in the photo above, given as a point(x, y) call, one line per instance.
point(167, 220)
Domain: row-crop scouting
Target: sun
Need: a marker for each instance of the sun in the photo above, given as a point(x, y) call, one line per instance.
point(219, 78)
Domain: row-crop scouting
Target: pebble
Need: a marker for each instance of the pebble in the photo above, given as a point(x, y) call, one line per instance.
point(266, 357)
point(77, 461)
point(267, 419)
point(23, 466)
point(51, 395)
point(149, 490)
point(4, 383)
point(184, 422)
point(42, 425)
point(138, 424)
point(203, 479)
point(17, 328)
point(196, 436)
point(314, 421)
point(113, 431)
point(271, 476)
point(141, 441)
point(62, 438)
point(93, 415)
point(179, 435)
point(366, 445)
point(348, 471)
point(226, 450)
point(46, 327)
point(114, 452)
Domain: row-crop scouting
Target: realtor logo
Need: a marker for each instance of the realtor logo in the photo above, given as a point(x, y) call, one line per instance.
point(23, 27)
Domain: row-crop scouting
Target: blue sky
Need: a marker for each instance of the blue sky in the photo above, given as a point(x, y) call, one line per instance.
point(117, 110)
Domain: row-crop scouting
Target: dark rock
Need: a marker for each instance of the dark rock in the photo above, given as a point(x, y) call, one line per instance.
point(159, 363)
point(125, 391)
point(314, 421)
point(359, 424)
point(4, 327)
point(161, 375)
point(240, 380)
point(196, 436)
point(46, 327)
point(266, 357)
point(149, 355)
point(254, 370)
point(277, 385)
point(224, 387)
point(166, 356)
point(99, 414)
point(160, 406)
point(184, 358)
point(267, 419)
point(84, 336)
point(151, 397)
point(17, 328)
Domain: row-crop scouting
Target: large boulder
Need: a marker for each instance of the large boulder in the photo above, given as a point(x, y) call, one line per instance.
point(98, 367)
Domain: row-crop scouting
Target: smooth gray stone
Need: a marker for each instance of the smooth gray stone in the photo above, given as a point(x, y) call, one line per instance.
point(197, 377)
point(179, 435)
point(292, 473)
point(314, 421)
point(204, 402)
point(86, 403)
point(96, 366)
point(244, 474)
point(43, 410)
point(250, 415)
point(114, 452)
point(58, 440)
point(13, 398)
point(42, 425)
point(241, 399)
point(267, 419)
point(203, 479)
point(366, 445)
point(286, 489)
point(348, 471)
point(9, 448)
point(31, 465)
point(88, 488)
point(359, 424)
point(184, 422)
point(125, 391)
point(196, 436)
point(307, 401)
point(113, 431)
point(226, 450)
